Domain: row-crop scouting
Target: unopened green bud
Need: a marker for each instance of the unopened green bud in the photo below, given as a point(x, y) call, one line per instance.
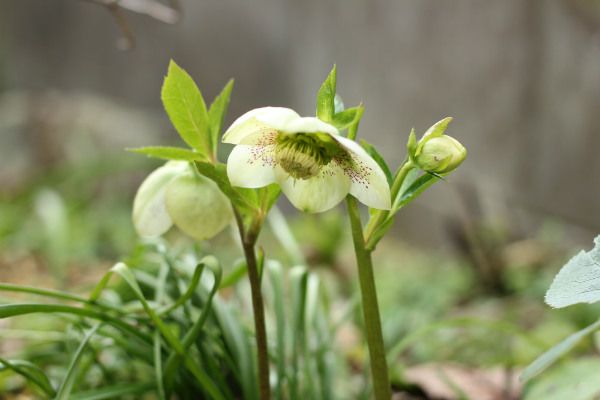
point(176, 194)
point(197, 206)
point(441, 154)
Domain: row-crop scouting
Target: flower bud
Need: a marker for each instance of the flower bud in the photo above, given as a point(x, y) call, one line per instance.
point(440, 154)
point(176, 194)
point(150, 216)
point(197, 206)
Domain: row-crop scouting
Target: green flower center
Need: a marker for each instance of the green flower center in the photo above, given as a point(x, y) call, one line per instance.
point(302, 155)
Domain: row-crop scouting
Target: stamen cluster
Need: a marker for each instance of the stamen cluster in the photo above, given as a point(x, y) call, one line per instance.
point(302, 155)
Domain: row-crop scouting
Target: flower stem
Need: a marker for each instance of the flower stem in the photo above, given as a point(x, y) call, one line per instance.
point(248, 242)
point(380, 216)
point(379, 369)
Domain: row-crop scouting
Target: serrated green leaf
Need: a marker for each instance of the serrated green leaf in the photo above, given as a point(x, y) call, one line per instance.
point(170, 153)
point(578, 281)
point(378, 159)
point(216, 113)
point(551, 356)
point(326, 97)
point(186, 108)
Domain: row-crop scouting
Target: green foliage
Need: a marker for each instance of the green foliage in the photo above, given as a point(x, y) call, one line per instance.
point(190, 340)
point(346, 118)
point(378, 158)
point(412, 189)
point(31, 372)
point(216, 113)
point(326, 97)
point(244, 199)
point(574, 380)
point(66, 387)
point(170, 153)
point(556, 352)
point(186, 109)
point(578, 280)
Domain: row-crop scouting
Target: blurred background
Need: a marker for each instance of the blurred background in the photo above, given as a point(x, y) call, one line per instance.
point(521, 79)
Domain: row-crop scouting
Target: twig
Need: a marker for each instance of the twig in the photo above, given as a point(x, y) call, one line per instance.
point(154, 9)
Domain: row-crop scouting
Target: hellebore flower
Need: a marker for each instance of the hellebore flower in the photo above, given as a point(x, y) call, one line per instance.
point(175, 194)
point(315, 166)
point(436, 152)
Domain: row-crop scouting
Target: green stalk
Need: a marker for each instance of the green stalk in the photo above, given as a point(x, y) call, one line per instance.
point(379, 369)
point(248, 241)
point(380, 216)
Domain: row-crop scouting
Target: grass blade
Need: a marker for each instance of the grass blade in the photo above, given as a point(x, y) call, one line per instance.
point(64, 391)
point(30, 372)
point(551, 356)
point(276, 277)
point(115, 392)
point(13, 310)
point(206, 382)
point(192, 335)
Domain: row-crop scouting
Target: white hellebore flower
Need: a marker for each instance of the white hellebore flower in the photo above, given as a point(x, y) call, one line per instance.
point(175, 194)
point(315, 166)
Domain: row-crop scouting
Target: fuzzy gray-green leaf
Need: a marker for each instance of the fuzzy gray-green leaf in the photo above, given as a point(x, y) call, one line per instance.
point(578, 281)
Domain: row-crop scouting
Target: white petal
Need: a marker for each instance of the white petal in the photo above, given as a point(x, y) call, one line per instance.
point(317, 194)
point(258, 122)
point(197, 206)
point(150, 216)
point(308, 125)
point(369, 184)
point(251, 166)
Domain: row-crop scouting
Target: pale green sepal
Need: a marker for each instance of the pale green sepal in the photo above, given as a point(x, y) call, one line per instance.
point(150, 216)
point(578, 281)
point(185, 106)
point(217, 111)
point(326, 97)
point(197, 206)
point(412, 144)
point(438, 128)
point(169, 153)
point(440, 155)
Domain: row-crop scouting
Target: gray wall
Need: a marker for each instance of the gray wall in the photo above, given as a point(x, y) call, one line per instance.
point(521, 78)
